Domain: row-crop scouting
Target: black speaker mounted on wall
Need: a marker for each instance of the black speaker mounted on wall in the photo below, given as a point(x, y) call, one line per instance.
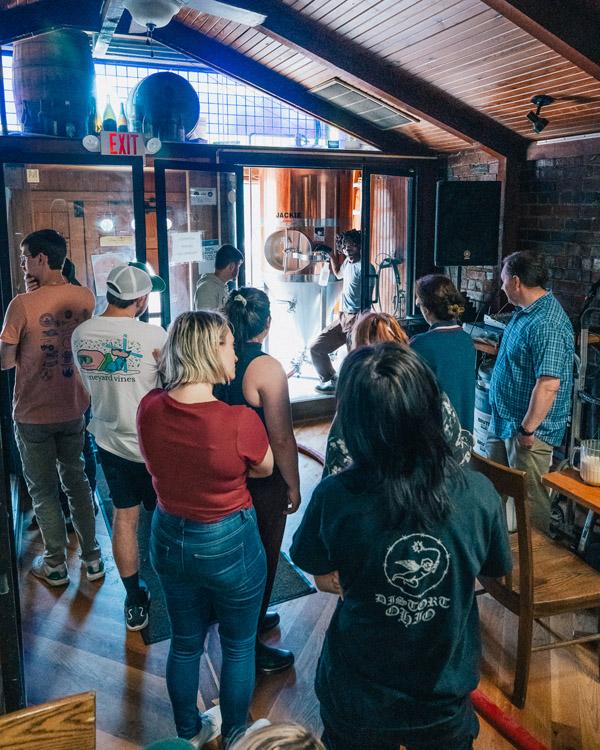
point(467, 223)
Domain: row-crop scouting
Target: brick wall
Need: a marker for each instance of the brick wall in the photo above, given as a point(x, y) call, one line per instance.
point(559, 216)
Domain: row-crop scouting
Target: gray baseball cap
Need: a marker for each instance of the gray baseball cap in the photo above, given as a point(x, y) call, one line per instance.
point(128, 282)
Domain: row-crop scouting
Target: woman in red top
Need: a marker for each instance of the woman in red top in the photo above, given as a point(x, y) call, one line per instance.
point(205, 544)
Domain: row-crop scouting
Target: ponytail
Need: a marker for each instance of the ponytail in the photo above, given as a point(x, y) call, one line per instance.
point(248, 311)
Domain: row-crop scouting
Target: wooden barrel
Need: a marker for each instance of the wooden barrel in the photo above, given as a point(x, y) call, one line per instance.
point(50, 70)
point(168, 101)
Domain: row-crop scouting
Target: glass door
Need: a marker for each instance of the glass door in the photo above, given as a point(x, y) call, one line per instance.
point(94, 207)
point(198, 209)
point(388, 242)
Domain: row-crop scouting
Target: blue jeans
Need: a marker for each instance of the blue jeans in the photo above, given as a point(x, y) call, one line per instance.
point(218, 567)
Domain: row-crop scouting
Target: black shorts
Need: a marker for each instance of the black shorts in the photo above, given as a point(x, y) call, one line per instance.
point(129, 482)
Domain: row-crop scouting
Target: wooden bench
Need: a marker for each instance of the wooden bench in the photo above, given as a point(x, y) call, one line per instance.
point(64, 724)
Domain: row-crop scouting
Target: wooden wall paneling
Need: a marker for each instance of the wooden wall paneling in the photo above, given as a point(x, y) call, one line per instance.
point(20, 224)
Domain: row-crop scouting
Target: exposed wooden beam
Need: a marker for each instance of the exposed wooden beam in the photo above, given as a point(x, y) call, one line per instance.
point(48, 15)
point(227, 60)
point(569, 28)
point(111, 13)
point(357, 65)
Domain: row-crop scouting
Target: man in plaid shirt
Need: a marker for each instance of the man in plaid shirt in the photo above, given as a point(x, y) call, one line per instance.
point(531, 386)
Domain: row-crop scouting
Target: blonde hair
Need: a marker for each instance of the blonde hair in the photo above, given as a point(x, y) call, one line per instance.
point(375, 328)
point(279, 737)
point(191, 354)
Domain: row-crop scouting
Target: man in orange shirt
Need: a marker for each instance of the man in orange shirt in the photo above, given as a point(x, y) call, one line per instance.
point(49, 402)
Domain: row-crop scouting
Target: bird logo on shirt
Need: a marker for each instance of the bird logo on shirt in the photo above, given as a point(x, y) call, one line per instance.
point(416, 563)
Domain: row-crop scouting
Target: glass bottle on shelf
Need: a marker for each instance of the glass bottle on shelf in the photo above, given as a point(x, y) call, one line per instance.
point(92, 120)
point(53, 119)
point(147, 126)
point(109, 119)
point(70, 126)
point(42, 120)
point(138, 119)
point(180, 129)
point(27, 118)
point(122, 121)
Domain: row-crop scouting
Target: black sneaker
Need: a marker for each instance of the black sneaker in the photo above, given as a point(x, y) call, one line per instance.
point(136, 615)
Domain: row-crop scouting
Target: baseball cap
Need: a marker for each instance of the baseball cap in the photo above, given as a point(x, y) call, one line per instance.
point(128, 282)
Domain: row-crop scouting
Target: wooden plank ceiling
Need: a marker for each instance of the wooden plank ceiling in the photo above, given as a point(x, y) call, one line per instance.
point(461, 46)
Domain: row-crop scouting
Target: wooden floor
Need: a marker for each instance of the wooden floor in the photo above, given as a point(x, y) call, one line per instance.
point(75, 640)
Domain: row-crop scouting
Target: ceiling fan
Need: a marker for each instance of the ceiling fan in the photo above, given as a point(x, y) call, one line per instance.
point(153, 14)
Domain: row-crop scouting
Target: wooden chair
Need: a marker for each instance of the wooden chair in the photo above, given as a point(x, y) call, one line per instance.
point(546, 580)
point(62, 724)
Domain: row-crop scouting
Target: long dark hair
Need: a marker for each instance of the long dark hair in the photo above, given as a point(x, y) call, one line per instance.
point(390, 411)
point(248, 310)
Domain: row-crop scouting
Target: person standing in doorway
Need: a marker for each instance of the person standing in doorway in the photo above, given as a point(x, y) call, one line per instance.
point(345, 265)
point(530, 390)
point(212, 288)
point(116, 356)
point(49, 402)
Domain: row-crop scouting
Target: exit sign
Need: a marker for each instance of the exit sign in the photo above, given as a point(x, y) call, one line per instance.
point(122, 144)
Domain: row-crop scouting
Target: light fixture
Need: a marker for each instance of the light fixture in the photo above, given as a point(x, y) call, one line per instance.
point(153, 14)
point(169, 223)
point(107, 224)
point(540, 100)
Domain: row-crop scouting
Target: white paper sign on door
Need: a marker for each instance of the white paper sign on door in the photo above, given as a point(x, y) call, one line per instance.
point(203, 196)
point(186, 247)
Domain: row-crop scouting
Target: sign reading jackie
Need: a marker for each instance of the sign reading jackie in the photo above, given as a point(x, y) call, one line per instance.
point(288, 215)
point(122, 144)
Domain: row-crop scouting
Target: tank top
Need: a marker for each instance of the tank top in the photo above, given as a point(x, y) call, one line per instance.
point(234, 393)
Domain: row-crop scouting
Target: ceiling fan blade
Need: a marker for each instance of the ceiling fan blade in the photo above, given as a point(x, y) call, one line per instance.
point(224, 10)
point(137, 28)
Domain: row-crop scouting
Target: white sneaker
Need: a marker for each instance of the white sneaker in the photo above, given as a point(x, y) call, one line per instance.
point(211, 727)
point(94, 570)
point(328, 386)
point(258, 724)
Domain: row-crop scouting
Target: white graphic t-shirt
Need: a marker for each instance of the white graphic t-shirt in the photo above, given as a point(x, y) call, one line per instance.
point(117, 365)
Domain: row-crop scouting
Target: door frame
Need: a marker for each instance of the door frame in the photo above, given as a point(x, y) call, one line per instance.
point(11, 649)
point(365, 231)
point(369, 163)
point(160, 168)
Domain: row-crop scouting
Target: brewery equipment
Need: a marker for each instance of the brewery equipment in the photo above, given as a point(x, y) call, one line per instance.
point(297, 281)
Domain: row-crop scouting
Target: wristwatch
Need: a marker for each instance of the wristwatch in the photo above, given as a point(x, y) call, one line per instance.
point(522, 431)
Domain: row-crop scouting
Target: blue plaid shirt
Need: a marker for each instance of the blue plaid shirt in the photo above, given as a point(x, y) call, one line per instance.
point(538, 341)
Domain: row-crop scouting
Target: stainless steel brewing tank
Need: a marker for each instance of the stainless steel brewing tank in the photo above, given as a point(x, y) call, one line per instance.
point(310, 304)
